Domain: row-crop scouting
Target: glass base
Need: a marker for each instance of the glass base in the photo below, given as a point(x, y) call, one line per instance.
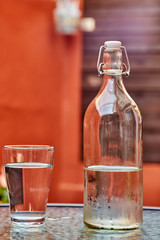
point(116, 227)
point(90, 233)
point(27, 219)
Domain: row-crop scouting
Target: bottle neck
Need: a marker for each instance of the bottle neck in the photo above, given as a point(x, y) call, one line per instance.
point(113, 67)
point(112, 82)
point(112, 89)
point(113, 62)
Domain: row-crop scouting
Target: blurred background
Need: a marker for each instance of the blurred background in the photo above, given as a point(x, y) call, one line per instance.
point(48, 76)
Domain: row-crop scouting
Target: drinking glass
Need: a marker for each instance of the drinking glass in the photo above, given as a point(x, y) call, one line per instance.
point(28, 171)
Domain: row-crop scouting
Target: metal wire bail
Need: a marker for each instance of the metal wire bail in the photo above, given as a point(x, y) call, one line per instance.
point(126, 70)
point(99, 65)
point(127, 67)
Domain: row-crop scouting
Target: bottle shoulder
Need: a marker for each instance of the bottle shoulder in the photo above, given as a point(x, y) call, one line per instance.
point(127, 109)
point(112, 99)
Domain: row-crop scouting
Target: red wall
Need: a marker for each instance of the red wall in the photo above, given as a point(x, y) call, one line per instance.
point(40, 93)
point(151, 184)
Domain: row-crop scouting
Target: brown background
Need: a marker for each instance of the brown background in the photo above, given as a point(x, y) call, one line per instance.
point(137, 25)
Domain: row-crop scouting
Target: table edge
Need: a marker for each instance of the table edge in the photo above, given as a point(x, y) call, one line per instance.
point(79, 205)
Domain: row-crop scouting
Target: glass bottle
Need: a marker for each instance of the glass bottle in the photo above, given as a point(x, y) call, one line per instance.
point(113, 181)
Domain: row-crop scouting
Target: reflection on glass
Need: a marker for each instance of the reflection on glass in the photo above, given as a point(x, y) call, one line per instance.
point(30, 233)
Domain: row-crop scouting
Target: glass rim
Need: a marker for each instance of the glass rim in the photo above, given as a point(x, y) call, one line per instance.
point(28, 147)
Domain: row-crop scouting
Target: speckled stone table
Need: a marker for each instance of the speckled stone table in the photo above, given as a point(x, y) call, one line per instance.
point(66, 222)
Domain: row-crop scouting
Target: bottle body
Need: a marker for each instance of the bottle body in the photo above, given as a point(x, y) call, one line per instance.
point(112, 199)
point(113, 185)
